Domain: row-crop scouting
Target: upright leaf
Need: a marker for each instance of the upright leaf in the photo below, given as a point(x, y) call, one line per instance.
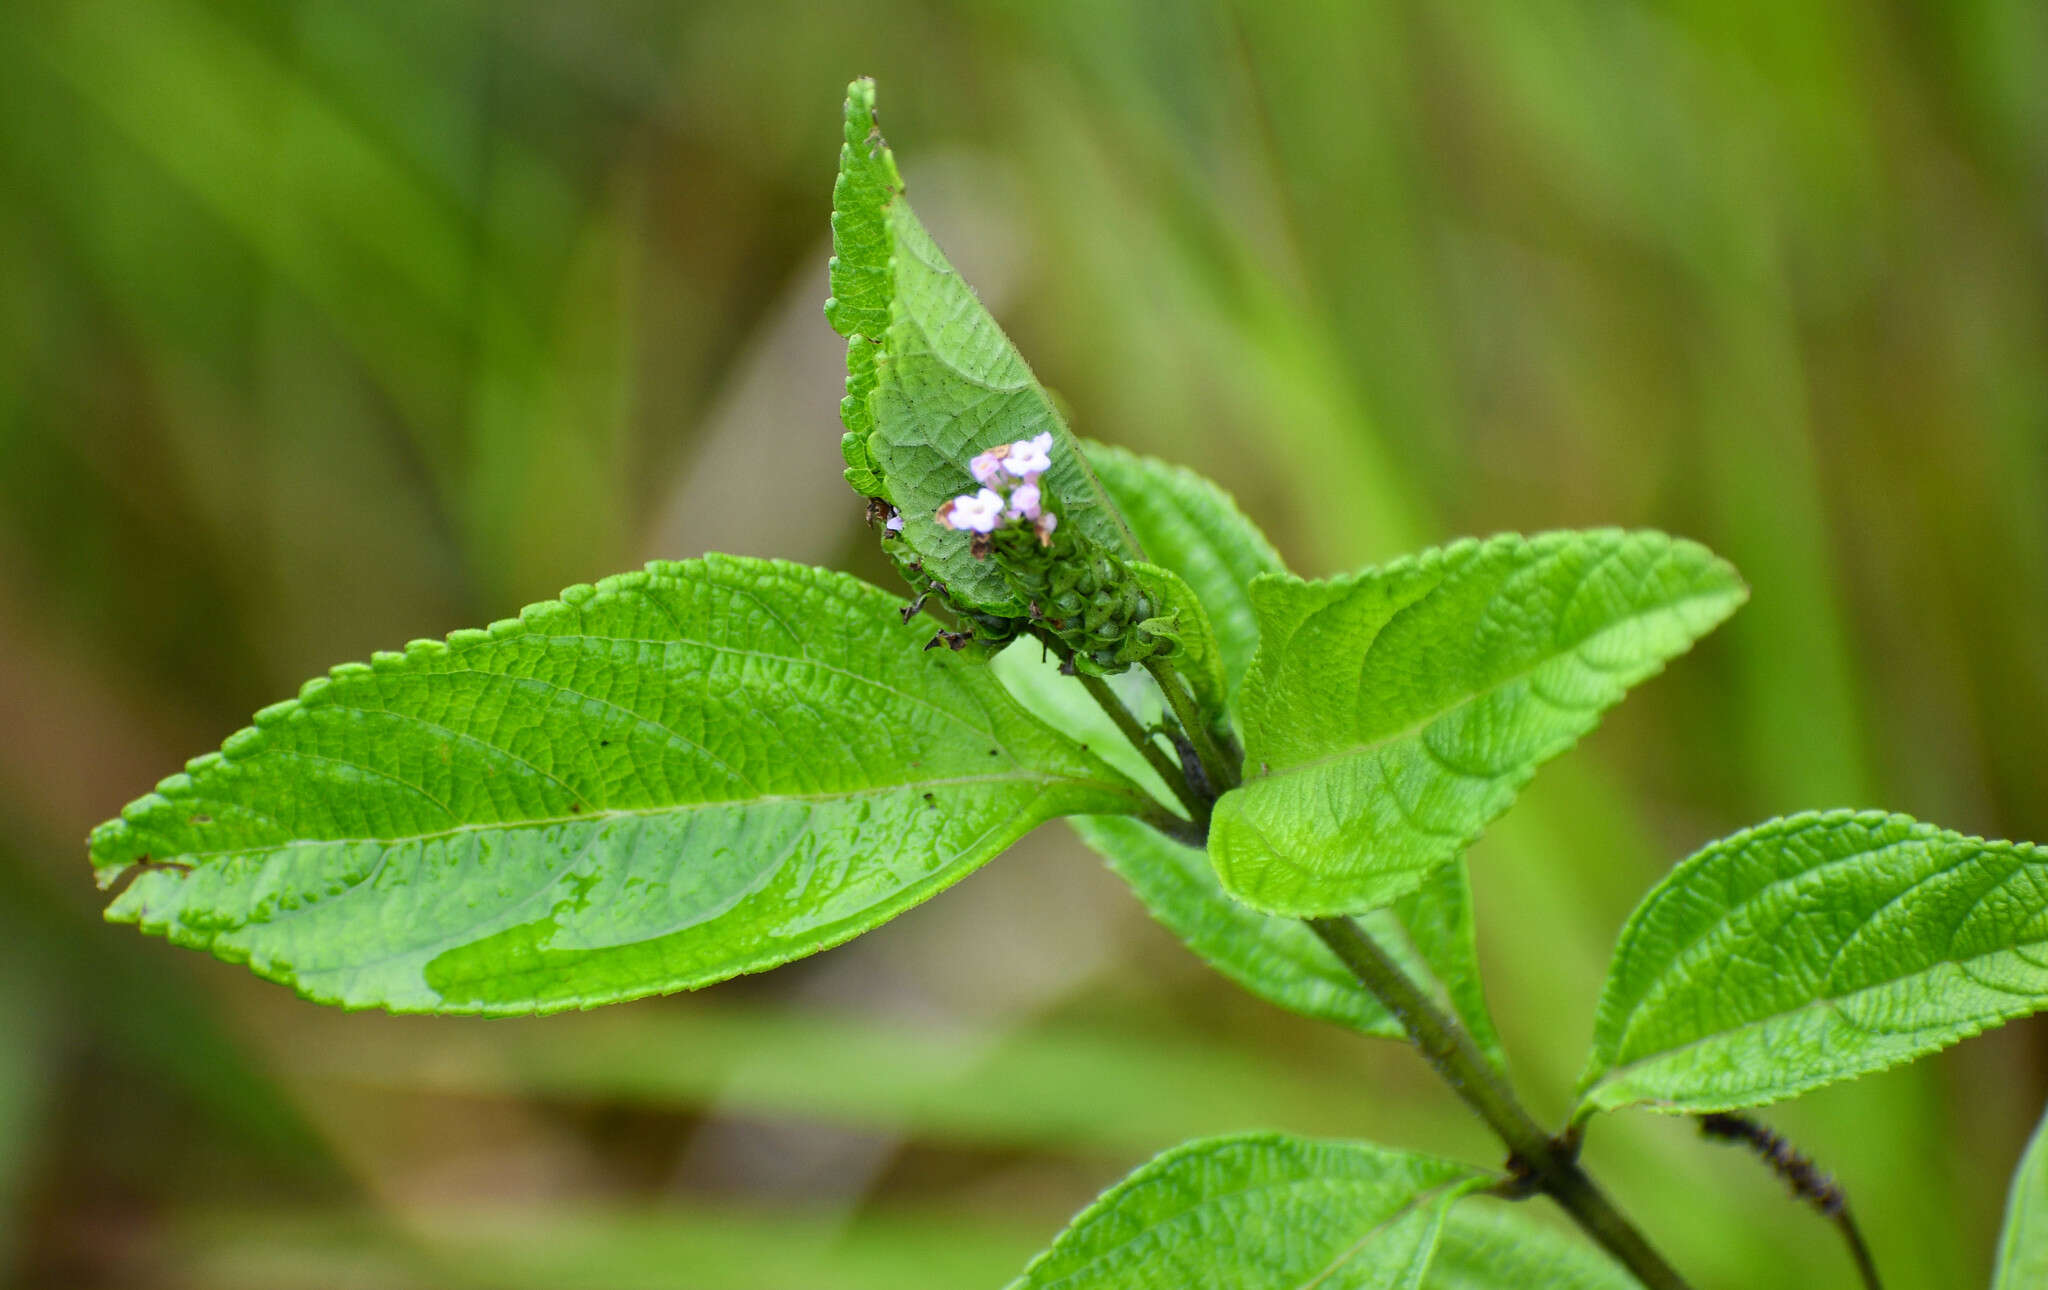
point(1260, 1212)
point(2023, 1246)
point(1391, 715)
point(1489, 1247)
point(1813, 949)
point(931, 380)
point(708, 768)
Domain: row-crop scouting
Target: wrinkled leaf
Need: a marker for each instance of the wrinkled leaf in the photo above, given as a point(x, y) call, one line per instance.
point(1260, 1212)
point(2023, 1246)
point(1391, 715)
point(1489, 1247)
point(1813, 949)
point(708, 768)
point(931, 379)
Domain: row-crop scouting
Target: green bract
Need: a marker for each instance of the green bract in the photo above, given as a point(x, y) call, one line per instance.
point(931, 380)
point(670, 778)
point(1814, 949)
point(1391, 715)
point(2023, 1246)
point(1260, 1212)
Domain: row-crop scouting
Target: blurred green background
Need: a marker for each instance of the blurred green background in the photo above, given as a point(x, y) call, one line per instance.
point(326, 325)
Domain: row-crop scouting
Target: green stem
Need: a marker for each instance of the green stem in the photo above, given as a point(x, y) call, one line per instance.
point(1221, 771)
point(1176, 780)
point(1548, 1165)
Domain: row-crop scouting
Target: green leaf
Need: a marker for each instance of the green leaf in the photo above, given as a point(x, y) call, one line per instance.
point(1189, 525)
point(1813, 949)
point(1391, 715)
point(2023, 1246)
point(1279, 959)
point(1487, 1247)
point(1260, 1212)
point(931, 380)
point(676, 776)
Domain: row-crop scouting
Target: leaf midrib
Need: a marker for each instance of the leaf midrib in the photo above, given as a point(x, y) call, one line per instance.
point(600, 814)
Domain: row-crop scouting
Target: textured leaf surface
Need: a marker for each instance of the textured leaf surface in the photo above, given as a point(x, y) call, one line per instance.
point(1260, 1212)
point(2023, 1246)
point(931, 379)
point(1279, 959)
point(1487, 1247)
point(707, 768)
point(1391, 715)
point(1812, 949)
point(1192, 527)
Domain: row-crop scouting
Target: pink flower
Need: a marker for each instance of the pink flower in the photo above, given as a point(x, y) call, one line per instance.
point(987, 467)
point(895, 524)
point(1024, 502)
point(977, 513)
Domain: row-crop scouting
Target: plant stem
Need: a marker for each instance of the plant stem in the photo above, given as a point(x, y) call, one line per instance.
point(1804, 1177)
point(1105, 698)
point(1220, 770)
point(1548, 1165)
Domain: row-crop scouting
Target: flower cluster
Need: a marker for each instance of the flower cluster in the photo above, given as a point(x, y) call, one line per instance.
point(1008, 475)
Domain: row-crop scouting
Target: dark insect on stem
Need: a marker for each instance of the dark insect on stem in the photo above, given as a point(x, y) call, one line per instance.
point(1806, 1179)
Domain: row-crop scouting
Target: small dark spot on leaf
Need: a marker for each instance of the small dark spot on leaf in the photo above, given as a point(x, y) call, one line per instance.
point(604, 743)
point(575, 808)
point(200, 819)
point(993, 752)
point(929, 798)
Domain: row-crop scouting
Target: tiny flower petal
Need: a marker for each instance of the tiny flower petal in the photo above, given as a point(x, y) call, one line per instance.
point(1044, 526)
point(895, 524)
point(979, 513)
point(1024, 501)
point(1030, 456)
point(987, 467)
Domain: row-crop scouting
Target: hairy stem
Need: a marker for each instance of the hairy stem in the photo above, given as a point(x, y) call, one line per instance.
point(1804, 1177)
point(1221, 771)
point(1548, 1165)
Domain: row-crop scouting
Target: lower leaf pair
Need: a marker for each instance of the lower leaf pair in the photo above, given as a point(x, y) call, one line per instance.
point(1272, 1212)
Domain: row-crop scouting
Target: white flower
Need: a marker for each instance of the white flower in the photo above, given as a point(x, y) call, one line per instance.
point(1030, 457)
point(1024, 502)
point(987, 467)
point(978, 513)
point(895, 524)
